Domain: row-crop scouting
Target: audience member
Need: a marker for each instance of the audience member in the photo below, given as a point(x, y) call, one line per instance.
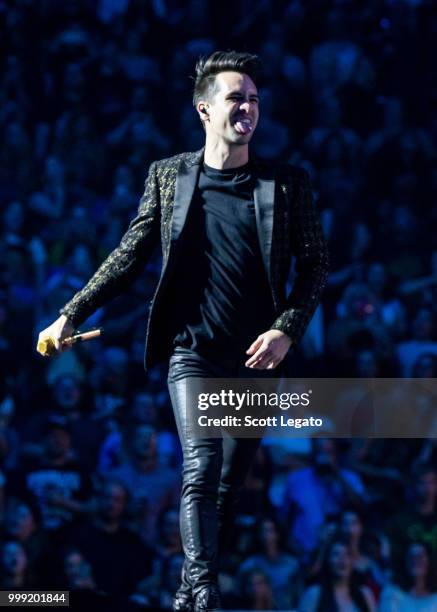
point(338, 588)
point(319, 491)
point(415, 590)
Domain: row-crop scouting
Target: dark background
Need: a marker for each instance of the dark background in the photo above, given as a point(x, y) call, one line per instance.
point(90, 93)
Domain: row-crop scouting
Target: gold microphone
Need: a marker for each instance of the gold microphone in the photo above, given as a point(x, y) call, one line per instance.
point(46, 347)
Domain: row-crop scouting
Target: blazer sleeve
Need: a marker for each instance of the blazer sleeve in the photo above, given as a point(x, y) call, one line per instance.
point(125, 263)
point(312, 262)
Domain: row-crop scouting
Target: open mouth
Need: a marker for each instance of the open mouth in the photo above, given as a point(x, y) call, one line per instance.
point(243, 126)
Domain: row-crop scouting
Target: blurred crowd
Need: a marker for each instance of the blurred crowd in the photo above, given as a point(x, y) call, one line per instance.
point(92, 91)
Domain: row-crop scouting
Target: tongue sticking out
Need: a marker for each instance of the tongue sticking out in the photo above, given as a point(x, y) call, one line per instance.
point(242, 127)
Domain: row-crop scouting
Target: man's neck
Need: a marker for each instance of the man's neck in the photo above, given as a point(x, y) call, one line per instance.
point(221, 156)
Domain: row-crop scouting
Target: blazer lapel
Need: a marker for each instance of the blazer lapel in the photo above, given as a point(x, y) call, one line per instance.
point(264, 196)
point(186, 181)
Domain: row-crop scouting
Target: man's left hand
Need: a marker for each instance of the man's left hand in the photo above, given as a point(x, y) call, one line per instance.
point(268, 350)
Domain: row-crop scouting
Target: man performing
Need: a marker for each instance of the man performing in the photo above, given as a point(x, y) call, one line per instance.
point(228, 225)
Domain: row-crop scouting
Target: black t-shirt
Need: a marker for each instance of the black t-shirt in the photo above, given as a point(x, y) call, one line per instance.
point(38, 484)
point(223, 290)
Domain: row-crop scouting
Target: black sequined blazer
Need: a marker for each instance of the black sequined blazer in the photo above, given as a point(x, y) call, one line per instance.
point(287, 222)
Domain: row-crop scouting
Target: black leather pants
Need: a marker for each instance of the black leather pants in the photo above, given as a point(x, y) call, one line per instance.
point(214, 470)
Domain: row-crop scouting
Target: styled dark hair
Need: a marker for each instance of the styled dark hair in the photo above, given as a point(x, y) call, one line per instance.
point(221, 61)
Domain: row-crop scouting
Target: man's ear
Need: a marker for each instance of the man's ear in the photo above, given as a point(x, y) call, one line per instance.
point(202, 108)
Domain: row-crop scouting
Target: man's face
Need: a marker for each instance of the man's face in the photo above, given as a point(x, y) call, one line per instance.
point(233, 110)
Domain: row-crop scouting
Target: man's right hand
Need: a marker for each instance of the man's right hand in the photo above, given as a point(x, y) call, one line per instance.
point(58, 330)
